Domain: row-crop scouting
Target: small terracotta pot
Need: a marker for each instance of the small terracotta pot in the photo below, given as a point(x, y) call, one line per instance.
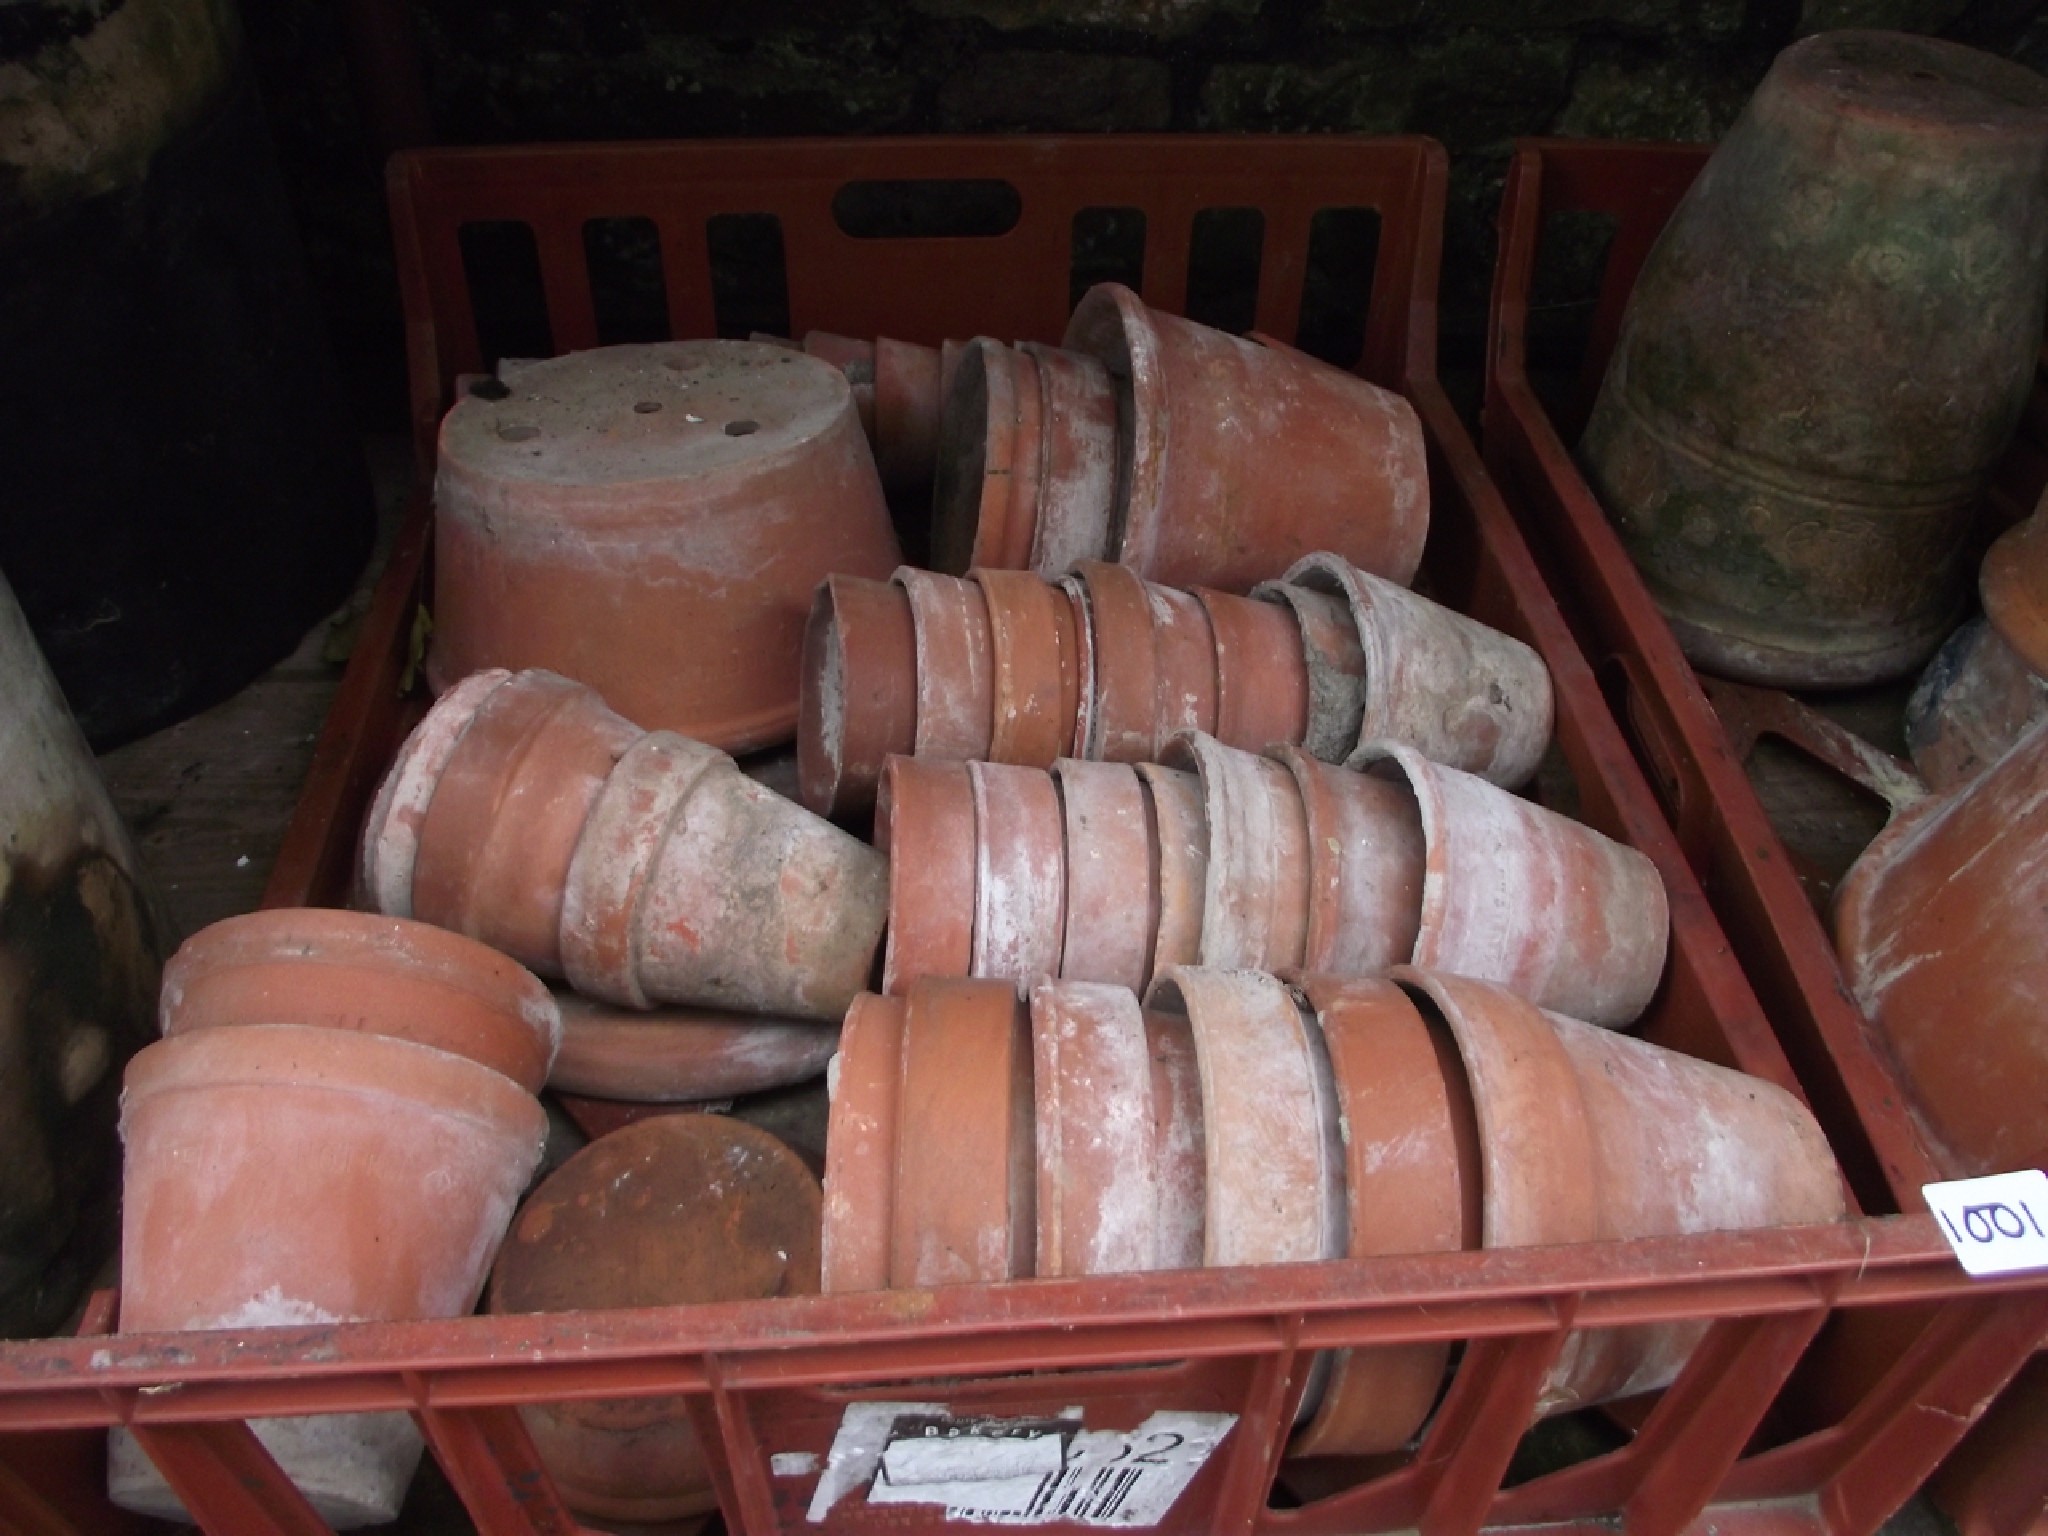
point(1366, 856)
point(906, 415)
point(955, 665)
point(1589, 1136)
point(1336, 668)
point(965, 1180)
point(280, 1174)
point(860, 1146)
point(859, 699)
point(1123, 702)
point(693, 884)
point(675, 1210)
point(1261, 671)
point(1448, 686)
point(1077, 479)
point(1182, 840)
point(924, 822)
point(1184, 677)
point(1411, 1182)
point(1179, 1142)
point(1942, 934)
point(1112, 874)
point(1020, 874)
point(985, 490)
point(1240, 459)
point(1255, 898)
point(357, 971)
point(1035, 656)
point(391, 834)
point(682, 1055)
point(665, 556)
point(1516, 894)
point(501, 825)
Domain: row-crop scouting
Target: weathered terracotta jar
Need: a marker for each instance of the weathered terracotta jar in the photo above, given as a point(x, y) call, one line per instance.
point(1255, 902)
point(859, 692)
point(673, 1210)
point(1941, 930)
point(682, 1055)
point(280, 1174)
point(652, 520)
point(860, 1146)
point(1824, 355)
point(359, 971)
point(1236, 459)
point(924, 822)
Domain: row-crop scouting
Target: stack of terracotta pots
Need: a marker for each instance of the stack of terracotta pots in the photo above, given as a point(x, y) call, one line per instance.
point(1232, 1119)
point(713, 930)
point(1008, 667)
point(1116, 873)
point(335, 1128)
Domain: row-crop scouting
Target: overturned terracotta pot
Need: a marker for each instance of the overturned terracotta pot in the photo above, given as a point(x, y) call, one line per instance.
point(1366, 861)
point(1020, 874)
point(694, 884)
point(682, 1055)
point(391, 833)
point(860, 1146)
point(359, 971)
point(1255, 902)
point(924, 822)
point(859, 695)
point(1237, 459)
point(652, 521)
point(671, 1211)
point(1112, 865)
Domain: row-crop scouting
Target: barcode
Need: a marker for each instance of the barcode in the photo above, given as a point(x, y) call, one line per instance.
point(1085, 1493)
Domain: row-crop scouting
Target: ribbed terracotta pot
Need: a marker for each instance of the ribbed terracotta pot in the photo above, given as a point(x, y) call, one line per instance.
point(1255, 903)
point(1035, 654)
point(682, 1055)
point(279, 1174)
point(1366, 862)
point(652, 520)
point(1825, 354)
point(1411, 1185)
point(924, 822)
point(1020, 872)
point(503, 816)
point(1261, 671)
point(1519, 895)
point(1112, 863)
point(965, 1183)
point(1239, 459)
point(1183, 880)
point(359, 971)
point(860, 1146)
point(1943, 937)
point(671, 1211)
point(955, 664)
point(1452, 688)
point(859, 698)
point(1336, 668)
point(391, 833)
point(1586, 1135)
point(694, 884)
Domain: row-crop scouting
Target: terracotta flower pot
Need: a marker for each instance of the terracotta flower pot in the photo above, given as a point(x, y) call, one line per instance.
point(1020, 874)
point(1261, 671)
point(391, 833)
point(358, 971)
point(1183, 847)
point(503, 817)
point(924, 822)
point(859, 699)
point(1336, 669)
point(1516, 894)
point(1255, 896)
point(1411, 1185)
point(965, 1180)
point(955, 665)
point(1154, 665)
point(1239, 459)
point(1366, 857)
point(1448, 686)
point(671, 1211)
point(682, 1055)
point(652, 520)
point(280, 1174)
point(694, 884)
point(1077, 478)
point(860, 1146)
point(1034, 650)
point(1824, 355)
point(1941, 930)
point(1112, 861)
point(1076, 592)
point(1586, 1135)
point(906, 415)
point(1179, 1142)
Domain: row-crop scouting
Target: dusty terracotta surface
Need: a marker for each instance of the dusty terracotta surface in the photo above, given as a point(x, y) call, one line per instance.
point(906, 413)
point(652, 520)
point(1972, 704)
point(955, 664)
point(860, 1146)
point(1098, 1174)
point(1242, 458)
point(1412, 1185)
point(1520, 895)
point(359, 971)
point(1020, 875)
point(1184, 665)
point(965, 1181)
point(1112, 907)
point(1261, 671)
point(924, 822)
point(504, 820)
point(859, 698)
point(671, 1211)
point(1179, 1141)
point(1365, 868)
point(1336, 668)
point(1941, 931)
point(1076, 592)
point(391, 833)
point(1452, 688)
point(985, 489)
point(849, 354)
point(1123, 681)
point(1077, 475)
point(682, 1055)
point(1255, 899)
point(1175, 797)
point(1035, 660)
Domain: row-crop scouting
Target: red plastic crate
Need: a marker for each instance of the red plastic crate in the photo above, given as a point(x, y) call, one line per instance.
point(773, 1378)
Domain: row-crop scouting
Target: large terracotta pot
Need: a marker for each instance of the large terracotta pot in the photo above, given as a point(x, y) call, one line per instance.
point(1824, 355)
point(682, 1055)
point(652, 521)
point(1942, 932)
point(670, 1211)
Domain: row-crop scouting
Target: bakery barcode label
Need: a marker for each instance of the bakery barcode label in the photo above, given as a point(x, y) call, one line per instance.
point(1996, 1225)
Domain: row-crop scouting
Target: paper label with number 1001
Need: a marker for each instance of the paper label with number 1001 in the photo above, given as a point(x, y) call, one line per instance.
point(1997, 1225)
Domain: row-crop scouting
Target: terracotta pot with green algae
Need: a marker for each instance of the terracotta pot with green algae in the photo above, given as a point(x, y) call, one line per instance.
point(1824, 355)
